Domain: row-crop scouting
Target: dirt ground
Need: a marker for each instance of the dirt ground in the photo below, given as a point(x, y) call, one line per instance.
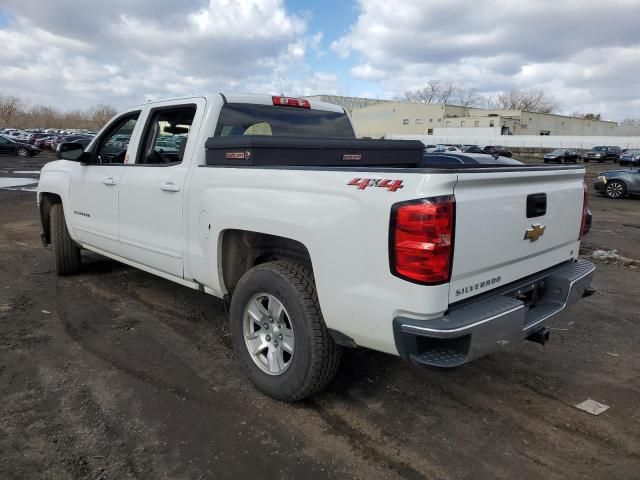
point(117, 374)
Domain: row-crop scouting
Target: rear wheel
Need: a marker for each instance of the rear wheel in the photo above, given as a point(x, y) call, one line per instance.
point(278, 331)
point(67, 253)
point(616, 189)
point(22, 152)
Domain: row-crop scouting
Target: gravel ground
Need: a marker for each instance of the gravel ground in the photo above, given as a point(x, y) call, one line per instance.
point(117, 374)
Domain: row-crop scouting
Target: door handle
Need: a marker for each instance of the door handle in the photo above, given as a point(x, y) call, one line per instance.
point(109, 181)
point(170, 187)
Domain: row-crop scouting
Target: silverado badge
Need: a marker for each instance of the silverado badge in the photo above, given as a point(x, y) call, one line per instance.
point(534, 233)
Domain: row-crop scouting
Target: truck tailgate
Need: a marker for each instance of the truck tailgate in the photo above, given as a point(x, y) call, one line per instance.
point(492, 246)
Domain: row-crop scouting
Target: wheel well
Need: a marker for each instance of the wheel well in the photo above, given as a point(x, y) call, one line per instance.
point(46, 201)
point(242, 250)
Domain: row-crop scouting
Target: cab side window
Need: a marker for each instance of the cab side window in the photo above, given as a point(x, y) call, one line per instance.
point(113, 146)
point(166, 134)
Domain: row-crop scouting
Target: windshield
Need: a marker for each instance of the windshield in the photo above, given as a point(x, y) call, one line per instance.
point(599, 149)
point(249, 119)
point(634, 151)
point(558, 152)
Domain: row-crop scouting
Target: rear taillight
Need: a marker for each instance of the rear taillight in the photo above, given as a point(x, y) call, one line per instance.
point(421, 239)
point(291, 102)
point(585, 210)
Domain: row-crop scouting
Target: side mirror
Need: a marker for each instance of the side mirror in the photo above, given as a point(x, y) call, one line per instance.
point(70, 151)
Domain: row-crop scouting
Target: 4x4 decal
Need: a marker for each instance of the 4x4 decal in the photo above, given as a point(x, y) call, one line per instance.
point(362, 183)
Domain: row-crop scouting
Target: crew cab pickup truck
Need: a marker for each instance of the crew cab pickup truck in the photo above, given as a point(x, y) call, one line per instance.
point(318, 240)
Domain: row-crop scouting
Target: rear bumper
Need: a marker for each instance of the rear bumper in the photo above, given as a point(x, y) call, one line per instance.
point(492, 322)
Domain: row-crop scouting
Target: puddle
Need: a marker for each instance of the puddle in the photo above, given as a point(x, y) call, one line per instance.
point(6, 182)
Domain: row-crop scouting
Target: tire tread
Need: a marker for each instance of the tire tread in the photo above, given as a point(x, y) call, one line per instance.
point(66, 252)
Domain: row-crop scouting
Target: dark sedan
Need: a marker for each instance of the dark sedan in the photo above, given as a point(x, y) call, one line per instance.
point(497, 151)
point(9, 146)
point(472, 149)
point(618, 183)
point(562, 155)
point(631, 158)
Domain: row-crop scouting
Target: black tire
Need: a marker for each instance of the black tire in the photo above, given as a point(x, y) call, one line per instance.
point(316, 356)
point(66, 252)
point(615, 189)
point(23, 152)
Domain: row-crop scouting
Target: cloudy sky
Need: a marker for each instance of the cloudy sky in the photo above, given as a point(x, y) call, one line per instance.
point(70, 53)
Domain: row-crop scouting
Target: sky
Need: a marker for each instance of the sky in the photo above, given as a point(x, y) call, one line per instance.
point(73, 54)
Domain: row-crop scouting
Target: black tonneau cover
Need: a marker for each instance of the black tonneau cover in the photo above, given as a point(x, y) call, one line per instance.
point(264, 150)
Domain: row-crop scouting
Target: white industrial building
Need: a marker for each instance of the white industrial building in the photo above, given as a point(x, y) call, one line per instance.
point(380, 118)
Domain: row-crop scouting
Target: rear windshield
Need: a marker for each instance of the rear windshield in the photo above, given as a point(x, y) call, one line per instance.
point(249, 119)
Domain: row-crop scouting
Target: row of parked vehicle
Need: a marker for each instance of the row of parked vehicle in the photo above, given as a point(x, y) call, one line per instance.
point(493, 150)
point(598, 154)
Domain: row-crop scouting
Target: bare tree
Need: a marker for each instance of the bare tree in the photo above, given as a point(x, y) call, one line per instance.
point(436, 91)
point(447, 91)
point(99, 115)
point(586, 116)
point(9, 108)
point(431, 93)
point(14, 114)
point(531, 100)
point(469, 97)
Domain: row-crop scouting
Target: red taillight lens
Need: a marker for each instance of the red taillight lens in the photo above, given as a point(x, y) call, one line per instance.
point(291, 102)
point(585, 209)
point(421, 239)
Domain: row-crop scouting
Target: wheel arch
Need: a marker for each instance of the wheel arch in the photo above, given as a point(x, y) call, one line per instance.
point(241, 250)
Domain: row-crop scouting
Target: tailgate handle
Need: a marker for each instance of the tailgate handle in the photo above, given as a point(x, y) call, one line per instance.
point(536, 205)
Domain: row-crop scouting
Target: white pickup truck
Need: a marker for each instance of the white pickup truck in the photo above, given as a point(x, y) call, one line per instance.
point(321, 244)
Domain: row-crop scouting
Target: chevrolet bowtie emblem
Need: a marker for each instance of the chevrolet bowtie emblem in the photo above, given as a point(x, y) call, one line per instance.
point(534, 233)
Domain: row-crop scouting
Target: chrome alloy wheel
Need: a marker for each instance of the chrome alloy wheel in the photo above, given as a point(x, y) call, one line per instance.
point(268, 333)
point(614, 189)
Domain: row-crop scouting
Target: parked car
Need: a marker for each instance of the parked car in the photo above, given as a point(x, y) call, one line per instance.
point(8, 146)
point(602, 154)
point(618, 183)
point(472, 149)
point(65, 138)
point(631, 157)
point(440, 148)
point(301, 256)
point(42, 142)
point(562, 155)
point(497, 151)
point(33, 137)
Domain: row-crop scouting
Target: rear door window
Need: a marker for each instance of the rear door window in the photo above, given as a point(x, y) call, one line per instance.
point(249, 119)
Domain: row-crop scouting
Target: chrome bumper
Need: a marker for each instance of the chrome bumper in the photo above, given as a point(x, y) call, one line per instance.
point(492, 322)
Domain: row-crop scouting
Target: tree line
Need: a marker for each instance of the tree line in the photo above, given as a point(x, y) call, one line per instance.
point(14, 113)
point(453, 93)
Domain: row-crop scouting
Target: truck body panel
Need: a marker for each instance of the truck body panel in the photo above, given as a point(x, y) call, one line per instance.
point(171, 220)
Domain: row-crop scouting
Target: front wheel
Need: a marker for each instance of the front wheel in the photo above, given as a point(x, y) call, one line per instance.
point(67, 253)
point(22, 152)
point(278, 331)
point(616, 189)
